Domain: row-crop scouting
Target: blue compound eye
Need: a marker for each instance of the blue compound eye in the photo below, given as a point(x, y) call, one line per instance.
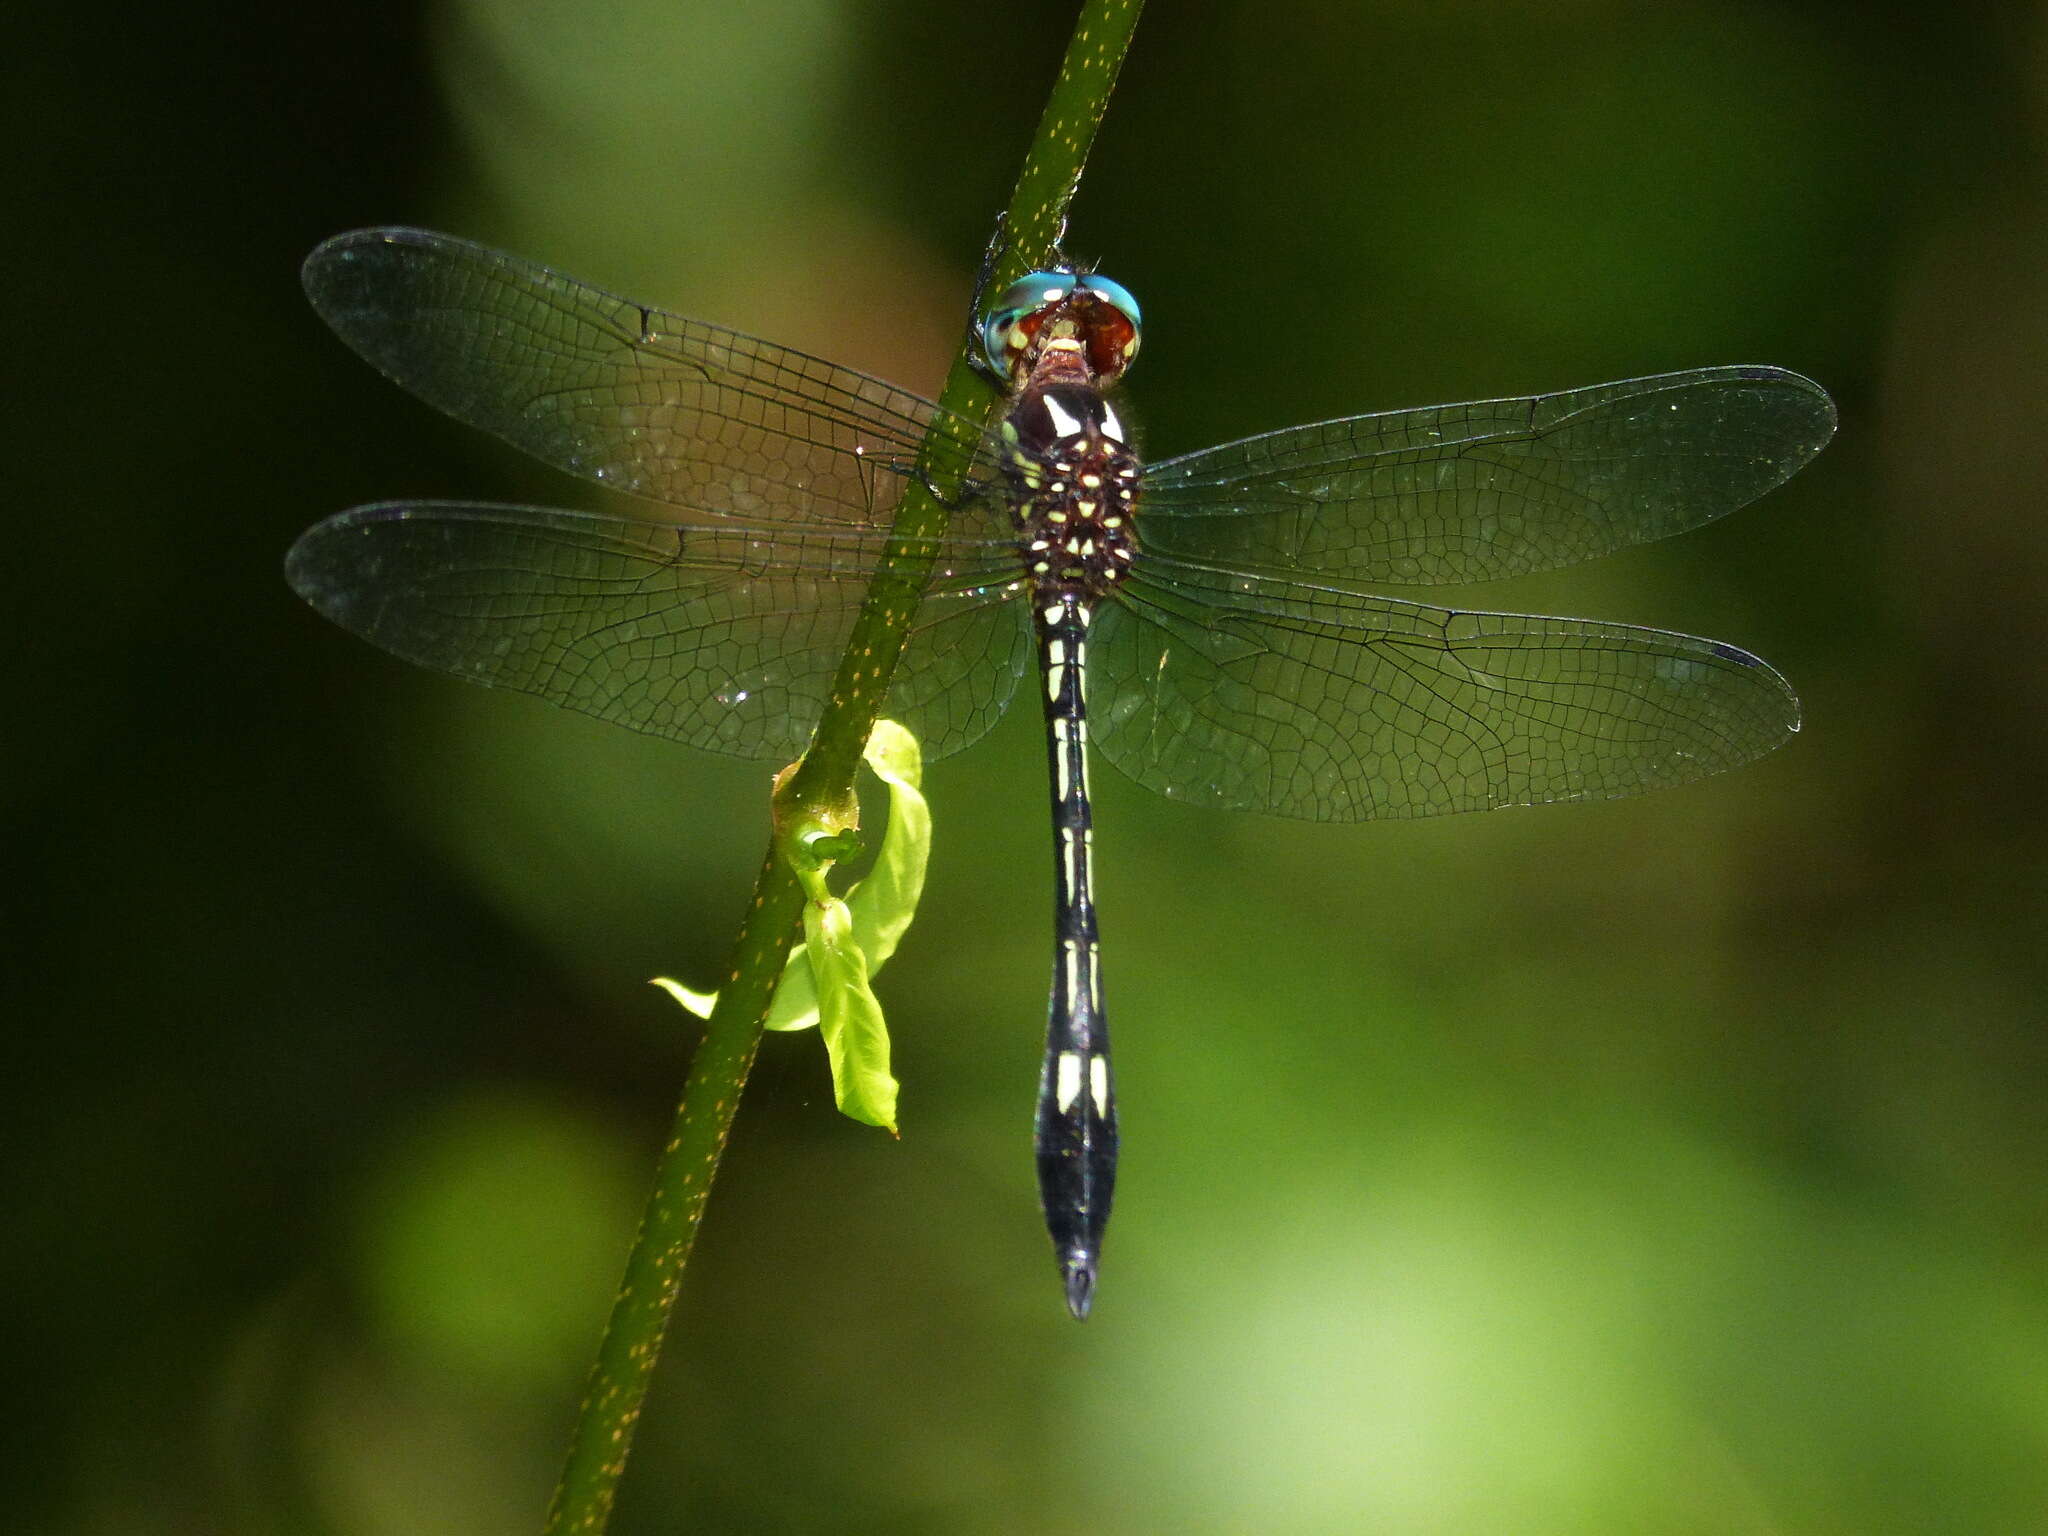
point(1015, 317)
point(1099, 312)
point(1114, 326)
point(1117, 295)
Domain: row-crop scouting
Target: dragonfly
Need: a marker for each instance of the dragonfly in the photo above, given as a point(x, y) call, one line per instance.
point(1206, 623)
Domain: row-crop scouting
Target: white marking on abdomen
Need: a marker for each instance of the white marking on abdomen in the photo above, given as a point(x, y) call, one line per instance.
point(1067, 1086)
point(1098, 1084)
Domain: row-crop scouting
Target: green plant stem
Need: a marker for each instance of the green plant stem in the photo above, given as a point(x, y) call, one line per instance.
point(639, 1319)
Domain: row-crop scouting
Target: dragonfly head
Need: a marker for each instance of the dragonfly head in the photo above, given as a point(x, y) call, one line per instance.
point(1081, 313)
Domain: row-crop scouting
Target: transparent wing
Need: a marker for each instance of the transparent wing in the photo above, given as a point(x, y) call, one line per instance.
point(1453, 493)
point(722, 635)
point(645, 402)
point(1266, 695)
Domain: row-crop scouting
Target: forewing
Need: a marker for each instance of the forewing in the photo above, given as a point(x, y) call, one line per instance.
point(644, 402)
point(725, 636)
point(1338, 706)
point(1455, 493)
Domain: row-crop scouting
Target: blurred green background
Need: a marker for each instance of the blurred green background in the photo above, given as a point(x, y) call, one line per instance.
point(1669, 1166)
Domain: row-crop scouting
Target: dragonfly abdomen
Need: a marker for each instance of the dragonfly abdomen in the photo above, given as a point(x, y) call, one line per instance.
point(1076, 1134)
point(1075, 484)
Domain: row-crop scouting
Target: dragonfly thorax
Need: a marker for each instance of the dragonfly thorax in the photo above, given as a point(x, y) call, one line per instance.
point(1075, 482)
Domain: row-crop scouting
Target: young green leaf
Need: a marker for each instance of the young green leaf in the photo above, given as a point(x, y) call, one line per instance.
point(850, 1018)
point(873, 919)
